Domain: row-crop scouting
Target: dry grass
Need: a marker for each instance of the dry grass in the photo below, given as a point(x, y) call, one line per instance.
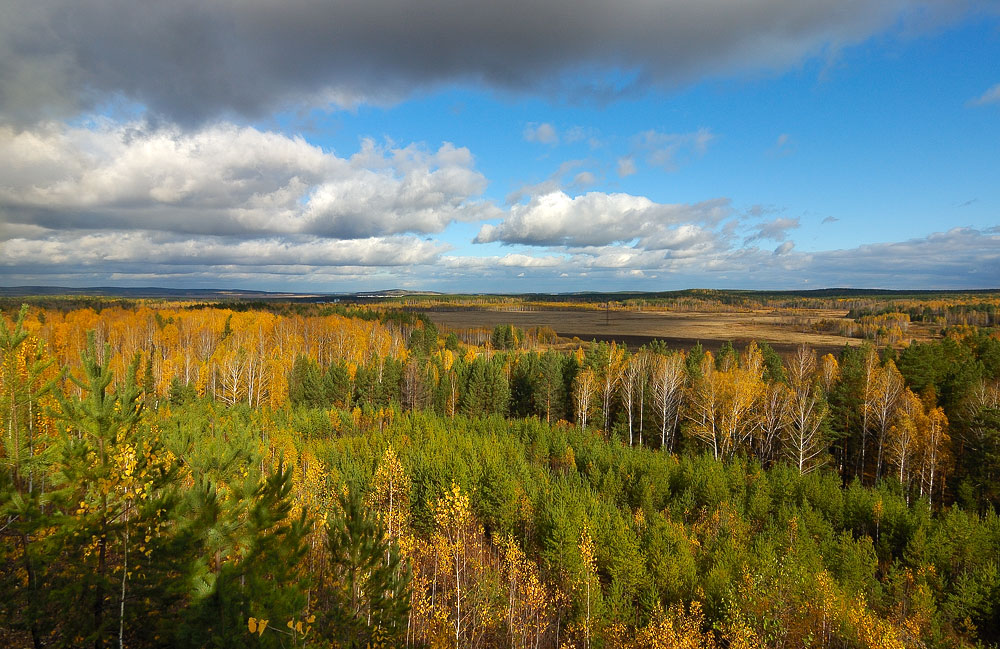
point(783, 330)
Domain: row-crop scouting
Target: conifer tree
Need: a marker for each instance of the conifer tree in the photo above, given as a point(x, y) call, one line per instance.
point(369, 597)
point(245, 565)
point(111, 499)
point(26, 383)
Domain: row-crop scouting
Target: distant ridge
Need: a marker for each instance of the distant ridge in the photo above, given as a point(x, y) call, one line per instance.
point(196, 293)
point(154, 292)
point(394, 292)
point(148, 292)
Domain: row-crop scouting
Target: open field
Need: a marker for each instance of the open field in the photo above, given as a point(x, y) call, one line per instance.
point(677, 329)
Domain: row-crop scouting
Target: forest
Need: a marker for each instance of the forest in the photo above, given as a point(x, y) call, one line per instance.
point(176, 474)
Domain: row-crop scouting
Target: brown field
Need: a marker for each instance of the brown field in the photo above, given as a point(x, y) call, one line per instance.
point(784, 331)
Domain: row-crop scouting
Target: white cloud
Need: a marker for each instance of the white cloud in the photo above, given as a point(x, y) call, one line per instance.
point(596, 218)
point(959, 258)
point(555, 182)
point(230, 180)
point(110, 201)
point(112, 251)
point(580, 134)
point(513, 260)
point(626, 167)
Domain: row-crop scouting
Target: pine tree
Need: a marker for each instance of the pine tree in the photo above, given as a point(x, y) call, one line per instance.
point(246, 564)
point(369, 597)
point(305, 384)
point(26, 384)
point(111, 501)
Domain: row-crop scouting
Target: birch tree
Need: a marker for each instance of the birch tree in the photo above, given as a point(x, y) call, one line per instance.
point(668, 395)
point(805, 444)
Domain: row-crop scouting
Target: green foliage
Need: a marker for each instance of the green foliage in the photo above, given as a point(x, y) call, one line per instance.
point(694, 360)
point(305, 384)
point(424, 340)
point(950, 367)
point(245, 551)
point(24, 469)
point(726, 358)
point(506, 337)
point(774, 369)
point(487, 390)
point(979, 486)
point(179, 393)
point(369, 596)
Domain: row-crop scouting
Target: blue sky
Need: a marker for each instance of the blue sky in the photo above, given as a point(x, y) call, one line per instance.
point(555, 146)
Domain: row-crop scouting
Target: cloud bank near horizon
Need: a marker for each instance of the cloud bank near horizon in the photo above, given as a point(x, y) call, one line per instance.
point(235, 204)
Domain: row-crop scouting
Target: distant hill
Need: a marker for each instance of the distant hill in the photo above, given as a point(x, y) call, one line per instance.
point(152, 292)
point(224, 295)
point(200, 294)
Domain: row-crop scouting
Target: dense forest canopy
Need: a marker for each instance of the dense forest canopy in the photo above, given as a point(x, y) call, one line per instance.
point(176, 474)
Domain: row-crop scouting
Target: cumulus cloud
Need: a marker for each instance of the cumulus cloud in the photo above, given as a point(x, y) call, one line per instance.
point(229, 180)
point(222, 203)
point(276, 263)
point(597, 218)
point(514, 260)
point(115, 249)
point(191, 60)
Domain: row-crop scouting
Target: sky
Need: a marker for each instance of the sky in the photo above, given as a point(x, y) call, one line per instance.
point(479, 146)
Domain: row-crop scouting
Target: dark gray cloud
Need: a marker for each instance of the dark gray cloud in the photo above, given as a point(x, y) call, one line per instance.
point(189, 60)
